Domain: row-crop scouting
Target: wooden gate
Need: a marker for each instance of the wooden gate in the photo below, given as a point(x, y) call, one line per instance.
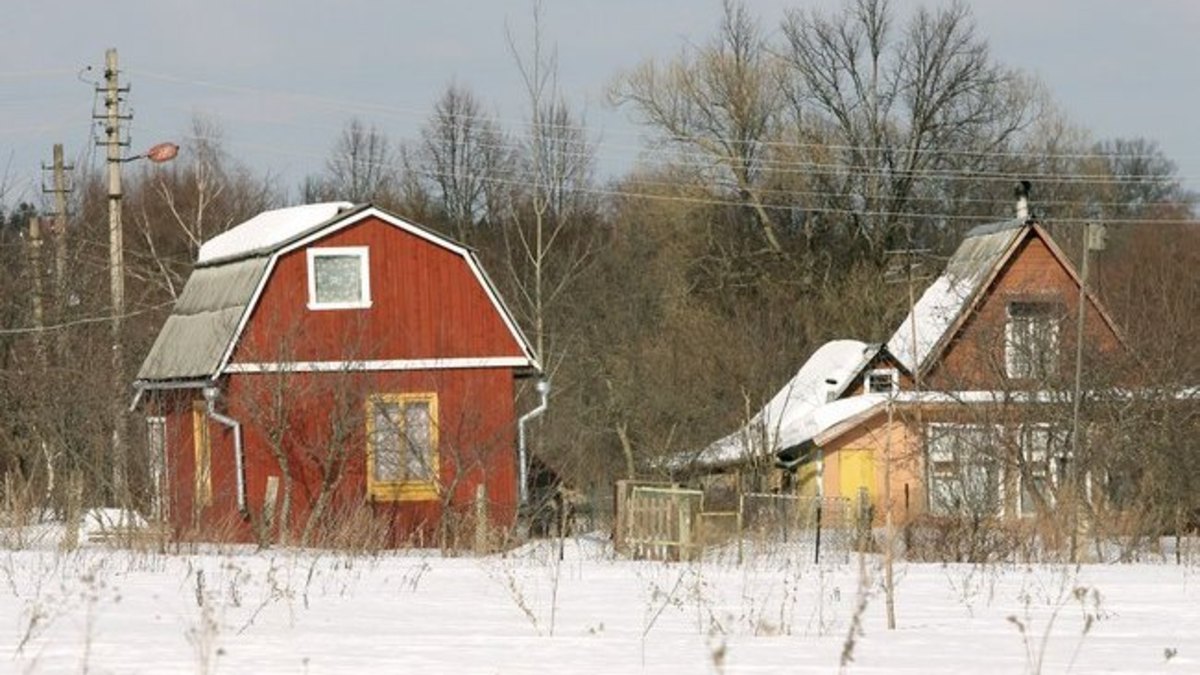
point(659, 522)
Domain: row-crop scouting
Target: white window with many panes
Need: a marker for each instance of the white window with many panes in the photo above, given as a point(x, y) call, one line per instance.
point(1031, 339)
point(1045, 456)
point(339, 278)
point(964, 472)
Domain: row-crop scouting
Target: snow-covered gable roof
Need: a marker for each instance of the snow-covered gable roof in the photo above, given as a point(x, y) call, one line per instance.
point(790, 416)
point(967, 274)
point(269, 230)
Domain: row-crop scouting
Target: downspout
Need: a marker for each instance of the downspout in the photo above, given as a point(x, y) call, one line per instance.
point(543, 390)
point(210, 396)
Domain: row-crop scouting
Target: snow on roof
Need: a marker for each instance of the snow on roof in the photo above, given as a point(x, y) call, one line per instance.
point(268, 229)
point(830, 415)
point(786, 419)
point(951, 293)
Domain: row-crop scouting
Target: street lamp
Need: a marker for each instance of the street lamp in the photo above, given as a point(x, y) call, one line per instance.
point(159, 153)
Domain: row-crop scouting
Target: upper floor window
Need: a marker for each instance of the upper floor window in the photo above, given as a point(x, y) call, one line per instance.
point(339, 278)
point(1031, 340)
point(882, 381)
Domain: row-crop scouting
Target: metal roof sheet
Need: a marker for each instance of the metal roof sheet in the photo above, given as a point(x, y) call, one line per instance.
point(945, 300)
point(200, 328)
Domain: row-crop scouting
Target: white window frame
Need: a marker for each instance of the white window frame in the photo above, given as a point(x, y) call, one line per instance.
point(975, 460)
point(364, 277)
point(1058, 442)
point(892, 373)
point(1043, 362)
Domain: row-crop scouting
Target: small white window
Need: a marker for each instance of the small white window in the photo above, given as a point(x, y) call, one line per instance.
point(882, 381)
point(339, 278)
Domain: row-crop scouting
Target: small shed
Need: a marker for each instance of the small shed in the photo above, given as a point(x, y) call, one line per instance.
point(331, 365)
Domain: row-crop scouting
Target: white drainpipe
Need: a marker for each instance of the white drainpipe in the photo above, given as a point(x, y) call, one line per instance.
point(543, 389)
point(210, 396)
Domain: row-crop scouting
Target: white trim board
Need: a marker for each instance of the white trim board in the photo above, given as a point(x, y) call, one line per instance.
point(379, 365)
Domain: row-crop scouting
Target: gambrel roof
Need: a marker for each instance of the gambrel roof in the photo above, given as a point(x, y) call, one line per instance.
point(198, 338)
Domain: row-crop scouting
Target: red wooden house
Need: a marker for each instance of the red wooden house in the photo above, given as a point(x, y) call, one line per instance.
point(332, 359)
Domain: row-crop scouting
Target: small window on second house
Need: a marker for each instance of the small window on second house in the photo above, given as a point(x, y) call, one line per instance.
point(1031, 340)
point(339, 278)
point(882, 381)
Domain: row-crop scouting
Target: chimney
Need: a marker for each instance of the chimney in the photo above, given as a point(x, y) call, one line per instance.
point(1022, 193)
point(830, 389)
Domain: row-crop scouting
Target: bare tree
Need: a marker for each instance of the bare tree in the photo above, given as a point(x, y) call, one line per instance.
point(545, 251)
point(461, 156)
point(360, 168)
point(179, 206)
point(720, 101)
point(897, 113)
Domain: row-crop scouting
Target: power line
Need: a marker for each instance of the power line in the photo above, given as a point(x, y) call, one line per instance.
point(106, 318)
point(424, 112)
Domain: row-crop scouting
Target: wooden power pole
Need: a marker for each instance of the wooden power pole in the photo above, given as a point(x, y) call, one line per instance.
point(60, 189)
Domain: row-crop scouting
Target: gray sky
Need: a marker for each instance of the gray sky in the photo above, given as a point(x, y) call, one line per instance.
point(282, 76)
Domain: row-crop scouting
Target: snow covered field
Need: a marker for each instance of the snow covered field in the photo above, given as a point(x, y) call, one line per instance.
point(103, 610)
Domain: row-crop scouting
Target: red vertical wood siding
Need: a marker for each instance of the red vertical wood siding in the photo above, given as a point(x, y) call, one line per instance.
point(425, 303)
point(476, 440)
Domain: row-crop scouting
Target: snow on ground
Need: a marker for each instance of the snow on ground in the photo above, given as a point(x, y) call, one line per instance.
point(236, 610)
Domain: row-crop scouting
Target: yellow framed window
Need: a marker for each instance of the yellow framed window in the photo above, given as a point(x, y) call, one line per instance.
point(402, 447)
point(203, 455)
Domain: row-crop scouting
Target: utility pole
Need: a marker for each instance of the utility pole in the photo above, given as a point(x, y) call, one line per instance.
point(35, 266)
point(909, 264)
point(116, 257)
point(59, 176)
point(1093, 240)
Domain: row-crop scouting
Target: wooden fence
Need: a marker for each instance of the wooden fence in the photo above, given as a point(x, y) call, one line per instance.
point(663, 521)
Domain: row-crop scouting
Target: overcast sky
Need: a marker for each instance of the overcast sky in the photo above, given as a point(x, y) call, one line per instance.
point(283, 76)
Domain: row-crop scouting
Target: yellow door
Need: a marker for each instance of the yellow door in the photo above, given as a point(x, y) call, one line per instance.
point(806, 480)
point(857, 474)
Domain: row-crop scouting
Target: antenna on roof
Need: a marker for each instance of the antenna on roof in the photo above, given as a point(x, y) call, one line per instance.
point(1022, 193)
